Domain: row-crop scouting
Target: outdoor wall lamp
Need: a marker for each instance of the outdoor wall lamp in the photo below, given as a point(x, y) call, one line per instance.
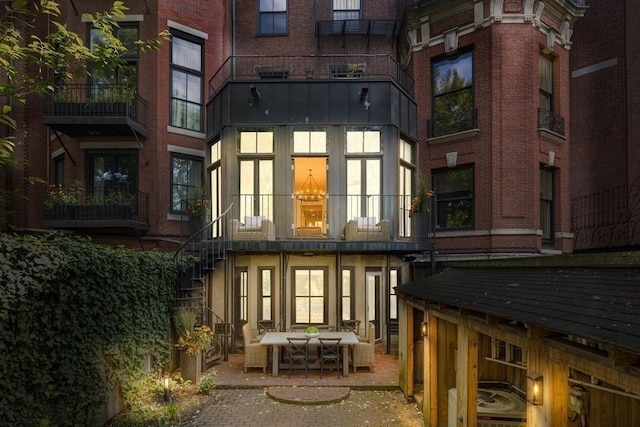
point(424, 329)
point(255, 93)
point(534, 391)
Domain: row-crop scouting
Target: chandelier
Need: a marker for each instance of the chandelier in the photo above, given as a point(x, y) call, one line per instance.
point(310, 190)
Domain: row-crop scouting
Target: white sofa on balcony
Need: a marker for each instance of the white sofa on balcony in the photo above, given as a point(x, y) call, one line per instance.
point(367, 229)
point(253, 228)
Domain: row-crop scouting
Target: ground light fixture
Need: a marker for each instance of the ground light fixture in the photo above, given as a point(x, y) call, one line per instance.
point(166, 388)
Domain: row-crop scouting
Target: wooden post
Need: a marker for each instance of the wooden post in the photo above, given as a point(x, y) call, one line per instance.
point(467, 376)
point(430, 381)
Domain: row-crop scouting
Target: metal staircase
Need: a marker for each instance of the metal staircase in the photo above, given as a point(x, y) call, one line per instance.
point(191, 290)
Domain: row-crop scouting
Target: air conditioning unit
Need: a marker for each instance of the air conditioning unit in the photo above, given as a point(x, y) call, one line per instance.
point(496, 408)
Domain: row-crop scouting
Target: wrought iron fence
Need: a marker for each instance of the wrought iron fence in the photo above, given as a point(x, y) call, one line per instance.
point(551, 121)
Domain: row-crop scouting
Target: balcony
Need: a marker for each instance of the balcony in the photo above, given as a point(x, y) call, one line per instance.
point(329, 222)
point(452, 123)
point(82, 110)
point(550, 121)
point(318, 67)
point(72, 207)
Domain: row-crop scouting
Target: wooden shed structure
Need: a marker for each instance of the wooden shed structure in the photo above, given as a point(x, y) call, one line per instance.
point(471, 338)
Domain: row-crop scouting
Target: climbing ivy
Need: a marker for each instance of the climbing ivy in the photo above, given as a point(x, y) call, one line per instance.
point(76, 320)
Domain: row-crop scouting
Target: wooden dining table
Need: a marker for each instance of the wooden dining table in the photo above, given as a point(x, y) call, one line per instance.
point(278, 339)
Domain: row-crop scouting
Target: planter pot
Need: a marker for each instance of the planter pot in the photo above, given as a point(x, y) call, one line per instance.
point(191, 366)
point(420, 222)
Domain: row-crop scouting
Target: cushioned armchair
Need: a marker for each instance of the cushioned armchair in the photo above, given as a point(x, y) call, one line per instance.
point(364, 353)
point(367, 229)
point(253, 228)
point(255, 354)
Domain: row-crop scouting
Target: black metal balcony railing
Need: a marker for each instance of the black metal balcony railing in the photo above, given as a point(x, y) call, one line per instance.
point(318, 67)
point(71, 203)
point(452, 123)
point(97, 100)
point(327, 216)
point(551, 121)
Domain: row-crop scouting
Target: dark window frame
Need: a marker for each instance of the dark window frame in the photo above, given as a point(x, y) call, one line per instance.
point(443, 200)
point(173, 67)
point(273, 14)
point(325, 296)
point(352, 292)
point(192, 190)
point(262, 296)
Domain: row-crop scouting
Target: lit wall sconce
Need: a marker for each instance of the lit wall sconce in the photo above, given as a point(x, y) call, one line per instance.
point(363, 93)
point(424, 329)
point(534, 388)
point(166, 388)
point(254, 92)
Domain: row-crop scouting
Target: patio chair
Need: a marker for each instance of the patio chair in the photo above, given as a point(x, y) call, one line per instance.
point(364, 353)
point(330, 352)
point(299, 352)
point(255, 354)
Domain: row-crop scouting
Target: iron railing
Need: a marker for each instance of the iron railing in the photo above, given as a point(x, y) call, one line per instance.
point(73, 203)
point(97, 100)
point(318, 67)
point(550, 121)
point(452, 123)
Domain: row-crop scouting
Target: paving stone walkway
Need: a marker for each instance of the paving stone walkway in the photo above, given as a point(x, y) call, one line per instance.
point(254, 407)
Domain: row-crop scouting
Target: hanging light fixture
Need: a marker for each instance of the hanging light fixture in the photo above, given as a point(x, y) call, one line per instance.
point(310, 190)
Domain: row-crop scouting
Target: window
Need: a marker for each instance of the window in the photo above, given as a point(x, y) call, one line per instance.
point(265, 296)
point(394, 282)
point(453, 104)
point(309, 296)
point(240, 298)
point(109, 84)
point(346, 9)
point(187, 181)
point(113, 175)
point(364, 174)
point(454, 197)
point(58, 170)
point(215, 175)
point(546, 204)
point(273, 17)
point(186, 81)
point(256, 173)
point(348, 294)
point(405, 185)
point(546, 83)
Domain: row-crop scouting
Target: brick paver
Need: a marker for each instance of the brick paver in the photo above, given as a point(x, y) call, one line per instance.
point(253, 407)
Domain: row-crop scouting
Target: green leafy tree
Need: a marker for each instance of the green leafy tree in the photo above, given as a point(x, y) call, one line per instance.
point(60, 52)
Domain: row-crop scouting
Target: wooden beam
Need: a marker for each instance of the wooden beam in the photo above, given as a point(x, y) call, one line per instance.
point(620, 357)
point(430, 414)
point(539, 332)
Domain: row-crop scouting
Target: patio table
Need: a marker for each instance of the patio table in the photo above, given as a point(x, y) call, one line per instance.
point(277, 339)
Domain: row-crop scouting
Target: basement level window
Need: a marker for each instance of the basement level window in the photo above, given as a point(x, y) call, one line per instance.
point(347, 71)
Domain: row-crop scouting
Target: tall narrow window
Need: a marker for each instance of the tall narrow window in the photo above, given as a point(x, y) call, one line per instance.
point(364, 174)
point(215, 174)
point(546, 204)
point(454, 197)
point(186, 81)
point(546, 83)
point(187, 182)
point(265, 297)
point(58, 170)
point(256, 173)
point(405, 186)
point(348, 294)
point(452, 85)
point(310, 183)
point(309, 296)
point(273, 17)
point(240, 298)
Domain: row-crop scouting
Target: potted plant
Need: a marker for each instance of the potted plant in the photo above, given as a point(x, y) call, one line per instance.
point(420, 210)
point(312, 331)
point(191, 341)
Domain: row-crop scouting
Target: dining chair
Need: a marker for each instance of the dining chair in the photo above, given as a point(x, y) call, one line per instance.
point(299, 352)
point(330, 352)
point(351, 326)
point(298, 328)
point(266, 326)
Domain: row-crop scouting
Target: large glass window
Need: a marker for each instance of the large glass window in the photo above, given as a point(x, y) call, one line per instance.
point(454, 197)
point(453, 104)
point(187, 181)
point(215, 174)
point(364, 174)
point(346, 9)
point(186, 82)
point(348, 294)
point(405, 185)
point(113, 176)
point(115, 84)
point(309, 296)
point(273, 17)
point(256, 174)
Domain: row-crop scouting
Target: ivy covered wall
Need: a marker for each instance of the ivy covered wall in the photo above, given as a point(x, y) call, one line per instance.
point(77, 319)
